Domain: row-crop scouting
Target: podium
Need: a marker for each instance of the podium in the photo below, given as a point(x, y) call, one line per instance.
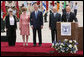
point(80, 38)
point(76, 33)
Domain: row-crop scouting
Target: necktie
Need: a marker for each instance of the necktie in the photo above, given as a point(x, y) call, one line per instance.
point(67, 16)
point(54, 14)
point(36, 14)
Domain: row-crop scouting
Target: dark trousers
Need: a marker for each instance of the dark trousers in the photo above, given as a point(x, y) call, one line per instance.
point(2, 25)
point(63, 11)
point(39, 35)
point(45, 17)
point(54, 35)
point(11, 34)
point(75, 12)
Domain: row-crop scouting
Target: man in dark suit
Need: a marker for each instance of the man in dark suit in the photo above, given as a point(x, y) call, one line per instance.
point(69, 16)
point(54, 17)
point(36, 20)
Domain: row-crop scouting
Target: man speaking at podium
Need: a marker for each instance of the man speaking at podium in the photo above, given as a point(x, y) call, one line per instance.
point(69, 16)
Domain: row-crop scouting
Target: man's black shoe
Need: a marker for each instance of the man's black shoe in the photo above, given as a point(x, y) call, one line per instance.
point(34, 45)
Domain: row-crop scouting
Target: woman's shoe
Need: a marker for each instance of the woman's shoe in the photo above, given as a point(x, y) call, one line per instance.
point(26, 44)
point(23, 44)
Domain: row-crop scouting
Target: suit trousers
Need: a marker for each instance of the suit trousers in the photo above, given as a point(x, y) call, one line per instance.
point(75, 12)
point(39, 35)
point(54, 35)
point(45, 17)
point(11, 34)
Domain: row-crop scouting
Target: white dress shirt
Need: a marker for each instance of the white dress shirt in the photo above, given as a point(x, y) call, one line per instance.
point(76, 7)
point(36, 12)
point(55, 14)
point(11, 20)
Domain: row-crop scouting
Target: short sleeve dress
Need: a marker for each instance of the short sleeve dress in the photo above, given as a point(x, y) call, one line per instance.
point(24, 24)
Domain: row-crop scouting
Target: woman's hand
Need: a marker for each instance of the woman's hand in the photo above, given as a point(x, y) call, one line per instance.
point(32, 27)
point(6, 29)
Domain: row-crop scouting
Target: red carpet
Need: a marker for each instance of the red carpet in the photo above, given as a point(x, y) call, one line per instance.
point(44, 50)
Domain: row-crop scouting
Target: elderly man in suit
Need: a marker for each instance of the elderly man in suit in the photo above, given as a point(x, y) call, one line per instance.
point(54, 17)
point(36, 21)
point(69, 16)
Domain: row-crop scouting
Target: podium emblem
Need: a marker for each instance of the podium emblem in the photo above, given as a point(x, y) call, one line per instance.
point(66, 29)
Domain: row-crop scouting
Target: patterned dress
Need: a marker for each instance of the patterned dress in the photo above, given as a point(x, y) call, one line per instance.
point(24, 24)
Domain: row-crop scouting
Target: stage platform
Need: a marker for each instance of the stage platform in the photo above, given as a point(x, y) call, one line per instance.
point(44, 50)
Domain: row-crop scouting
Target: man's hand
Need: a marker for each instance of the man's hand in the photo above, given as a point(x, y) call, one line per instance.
point(41, 26)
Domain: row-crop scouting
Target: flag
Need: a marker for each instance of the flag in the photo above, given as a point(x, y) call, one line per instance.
point(64, 4)
point(3, 8)
point(38, 2)
point(44, 6)
point(53, 3)
point(25, 4)
point(17, 7)
point(58, 5)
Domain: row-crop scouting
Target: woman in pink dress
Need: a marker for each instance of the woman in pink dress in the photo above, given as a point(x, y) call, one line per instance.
point(24, 25)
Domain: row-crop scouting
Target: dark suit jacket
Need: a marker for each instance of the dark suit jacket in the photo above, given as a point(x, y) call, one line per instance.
point(36, 22)
point(72, 17)
point(53, 20)
point(8, 22)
